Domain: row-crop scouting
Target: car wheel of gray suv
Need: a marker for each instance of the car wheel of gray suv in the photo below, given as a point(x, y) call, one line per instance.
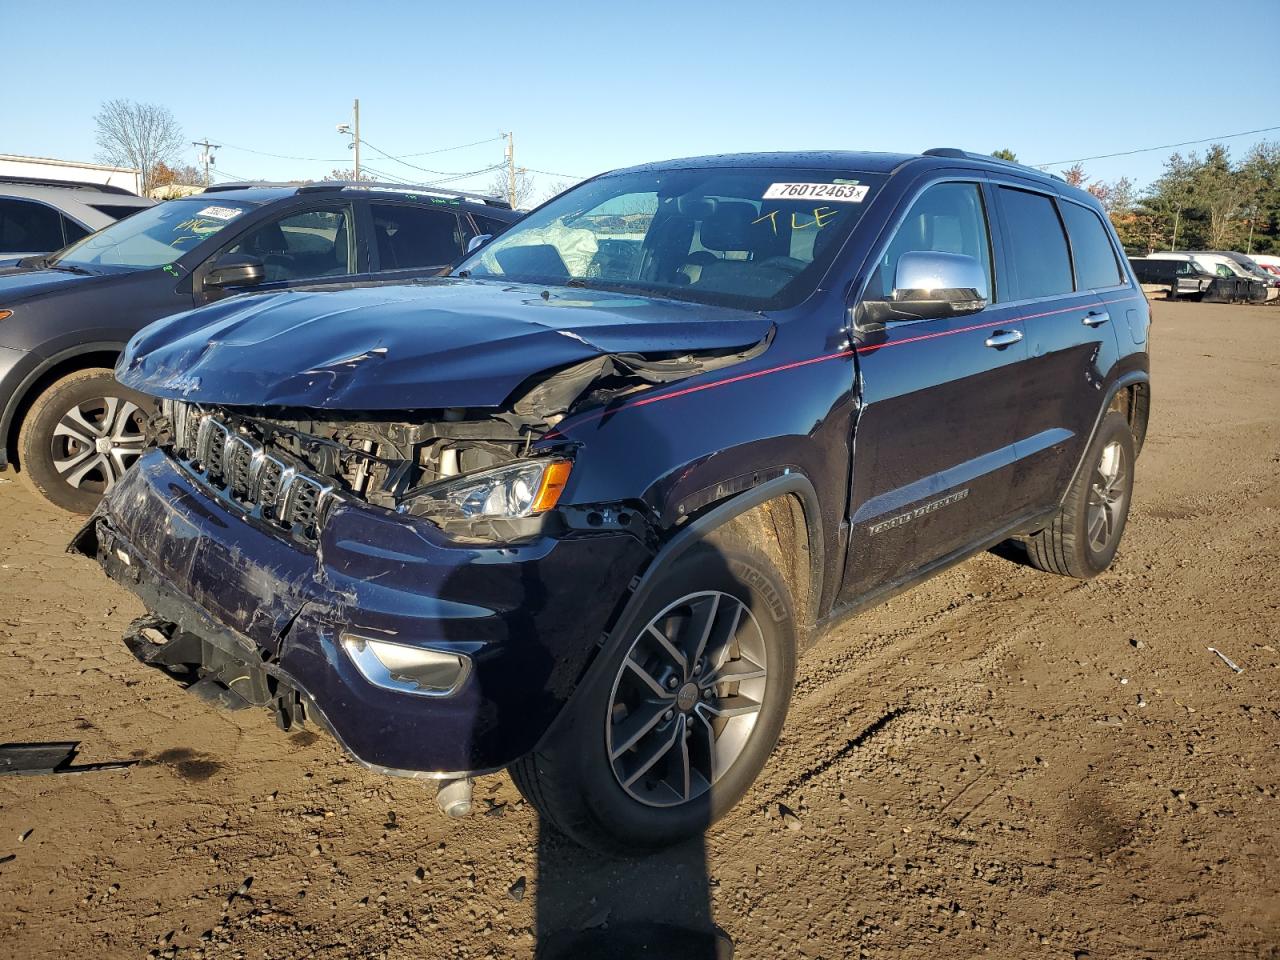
point(79, 437)
point(678, 721)
point(1082, 540)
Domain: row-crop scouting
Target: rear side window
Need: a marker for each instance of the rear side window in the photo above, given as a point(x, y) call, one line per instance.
point(1095, 259)
point(414, 236)
point(27, 227)
point(1037, 246)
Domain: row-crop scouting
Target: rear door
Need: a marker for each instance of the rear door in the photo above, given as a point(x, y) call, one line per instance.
point(1066, 280)
point(934, 447)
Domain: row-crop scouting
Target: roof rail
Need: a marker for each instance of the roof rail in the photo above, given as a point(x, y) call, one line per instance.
point(69, 184)
point(953, 153)
point(250, 185)
point(322, 185)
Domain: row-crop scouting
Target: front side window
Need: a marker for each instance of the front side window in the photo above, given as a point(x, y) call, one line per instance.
point(414, 236)
point(29, 227)
point(1096, 265)
point(157, 235)
point(747, 237)
point(301, 246)
point(945, 218)
point(1037, 246)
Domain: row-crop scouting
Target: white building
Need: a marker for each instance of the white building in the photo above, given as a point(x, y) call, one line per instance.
point(43, 168)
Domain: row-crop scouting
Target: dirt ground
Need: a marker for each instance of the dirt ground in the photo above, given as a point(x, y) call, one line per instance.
point(1000, 762)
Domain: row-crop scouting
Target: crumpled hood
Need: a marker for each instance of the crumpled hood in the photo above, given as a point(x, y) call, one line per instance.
point(429, 345)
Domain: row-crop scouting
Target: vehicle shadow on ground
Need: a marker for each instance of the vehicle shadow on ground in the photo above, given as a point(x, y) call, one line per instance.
point(591, 906)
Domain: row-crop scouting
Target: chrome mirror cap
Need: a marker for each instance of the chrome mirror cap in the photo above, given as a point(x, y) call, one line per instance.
point(929, 285)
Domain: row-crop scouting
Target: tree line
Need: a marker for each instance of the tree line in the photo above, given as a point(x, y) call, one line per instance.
point(1199, 202)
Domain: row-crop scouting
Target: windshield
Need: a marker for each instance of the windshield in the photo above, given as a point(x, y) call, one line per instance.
point(155, 236)
point(746, 237)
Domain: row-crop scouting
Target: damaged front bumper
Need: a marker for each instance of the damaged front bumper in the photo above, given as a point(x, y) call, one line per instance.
point(244, 613)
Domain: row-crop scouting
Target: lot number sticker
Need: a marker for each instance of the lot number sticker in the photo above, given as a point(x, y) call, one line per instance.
point(833, 192)
point(220, 213)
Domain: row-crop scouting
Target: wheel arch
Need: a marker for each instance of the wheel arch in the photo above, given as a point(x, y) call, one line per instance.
point(50, 370)
point(785, 501)
point(1129, 394)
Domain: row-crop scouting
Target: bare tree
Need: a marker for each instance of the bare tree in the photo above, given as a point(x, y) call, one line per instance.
point(138, 135)
point(349, 173)
point(500, 186)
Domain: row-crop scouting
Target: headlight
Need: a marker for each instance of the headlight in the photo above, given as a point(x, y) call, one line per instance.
point(511, 492)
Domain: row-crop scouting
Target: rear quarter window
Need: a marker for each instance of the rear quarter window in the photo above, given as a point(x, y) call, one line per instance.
point(1095, 258)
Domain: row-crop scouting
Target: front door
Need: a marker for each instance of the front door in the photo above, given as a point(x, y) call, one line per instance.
point(934, 443)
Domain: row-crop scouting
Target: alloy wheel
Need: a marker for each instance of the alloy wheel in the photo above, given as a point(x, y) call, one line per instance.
point(96, 441)
point(686, 699)
point(1107, 495)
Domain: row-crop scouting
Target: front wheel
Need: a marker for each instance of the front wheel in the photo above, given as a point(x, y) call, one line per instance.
point(680, 719)
point(79, 437)
point(1083, 538)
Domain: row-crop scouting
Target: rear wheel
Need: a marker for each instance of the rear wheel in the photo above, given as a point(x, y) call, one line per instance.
point(79, 437)
point(679, 721)
point(1083, 538)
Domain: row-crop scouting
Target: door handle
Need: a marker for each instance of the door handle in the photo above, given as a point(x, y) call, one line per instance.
point(1096, 318)
point(1004, 338)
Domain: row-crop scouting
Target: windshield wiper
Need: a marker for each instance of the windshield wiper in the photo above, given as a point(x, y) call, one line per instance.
point(69, 268)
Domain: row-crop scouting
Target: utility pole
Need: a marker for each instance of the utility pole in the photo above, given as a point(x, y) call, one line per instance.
point(356, 117)
point(511, 168)
point(206, 155)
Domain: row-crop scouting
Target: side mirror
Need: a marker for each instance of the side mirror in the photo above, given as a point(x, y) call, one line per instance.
point(478, 241)
point(235, 270)
point(930, 285)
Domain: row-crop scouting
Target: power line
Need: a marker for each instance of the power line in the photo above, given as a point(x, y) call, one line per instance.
point(230, 176)
point(461, 146)
point(1167, 146)
point(552, 173)
point(413, 166)
point(421, 153)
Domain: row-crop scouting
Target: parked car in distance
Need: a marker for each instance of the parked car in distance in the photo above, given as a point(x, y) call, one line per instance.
point(576, 509)
point(66, 422)
point(1182, 278)
point(1249, 266)
point(1267, 262)
point(40, 216)
point(1239, 284)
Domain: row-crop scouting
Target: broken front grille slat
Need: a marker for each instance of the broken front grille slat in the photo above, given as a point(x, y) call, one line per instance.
point(239, 469)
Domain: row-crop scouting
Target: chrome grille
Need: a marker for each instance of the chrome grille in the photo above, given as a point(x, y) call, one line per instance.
point(237, 468)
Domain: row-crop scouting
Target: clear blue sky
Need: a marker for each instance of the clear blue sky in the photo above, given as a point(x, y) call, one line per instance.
point(588, 86)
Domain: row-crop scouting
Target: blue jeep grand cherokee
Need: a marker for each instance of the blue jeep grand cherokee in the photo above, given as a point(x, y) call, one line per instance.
point(575, 509)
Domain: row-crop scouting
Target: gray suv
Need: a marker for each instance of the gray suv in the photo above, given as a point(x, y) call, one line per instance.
point(40, 216)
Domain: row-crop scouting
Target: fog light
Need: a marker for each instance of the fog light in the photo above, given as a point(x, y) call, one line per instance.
point(405, 669)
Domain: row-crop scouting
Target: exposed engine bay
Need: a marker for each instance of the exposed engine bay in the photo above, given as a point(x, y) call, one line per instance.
point(288, 466)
